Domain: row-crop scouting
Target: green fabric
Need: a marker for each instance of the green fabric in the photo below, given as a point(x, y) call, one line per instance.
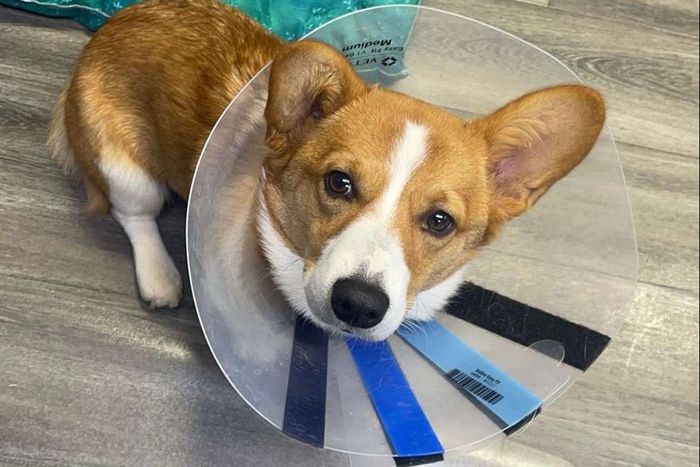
point(286, 18)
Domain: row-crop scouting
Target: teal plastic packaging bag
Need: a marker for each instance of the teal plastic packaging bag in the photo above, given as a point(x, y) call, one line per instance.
point(288, 19)
point(375, 47)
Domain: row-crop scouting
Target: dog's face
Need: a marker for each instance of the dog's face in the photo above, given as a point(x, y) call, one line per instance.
point(379, 200)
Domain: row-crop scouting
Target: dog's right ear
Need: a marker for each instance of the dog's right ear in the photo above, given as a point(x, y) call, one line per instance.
point(309, 81)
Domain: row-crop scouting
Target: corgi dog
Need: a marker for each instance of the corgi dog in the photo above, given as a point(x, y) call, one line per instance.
point(381, 199)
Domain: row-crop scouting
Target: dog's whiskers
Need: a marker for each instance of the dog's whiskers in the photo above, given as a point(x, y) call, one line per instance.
point(271, 272)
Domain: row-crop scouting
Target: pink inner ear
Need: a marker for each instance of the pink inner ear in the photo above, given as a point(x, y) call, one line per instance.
point(506, 172)
point(515, 167)
point(507, 167)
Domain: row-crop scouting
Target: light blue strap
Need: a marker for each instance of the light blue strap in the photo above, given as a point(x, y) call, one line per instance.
point(473, 374)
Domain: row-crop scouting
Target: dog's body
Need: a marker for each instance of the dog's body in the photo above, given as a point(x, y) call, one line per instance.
point(377, 198)
point(146, 92)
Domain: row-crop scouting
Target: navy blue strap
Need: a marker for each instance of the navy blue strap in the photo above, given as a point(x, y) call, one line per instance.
point(305, 408)
point(406, 427)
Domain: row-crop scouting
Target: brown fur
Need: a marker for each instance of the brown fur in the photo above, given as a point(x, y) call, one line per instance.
point(150, 85)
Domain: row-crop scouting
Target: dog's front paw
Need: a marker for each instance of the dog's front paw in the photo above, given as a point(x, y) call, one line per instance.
point(159, 282)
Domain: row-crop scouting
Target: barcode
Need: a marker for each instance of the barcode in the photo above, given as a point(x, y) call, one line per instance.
point(468, 384)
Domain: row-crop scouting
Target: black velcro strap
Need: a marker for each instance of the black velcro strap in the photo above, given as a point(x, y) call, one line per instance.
point(418, 460)
point(526, 325)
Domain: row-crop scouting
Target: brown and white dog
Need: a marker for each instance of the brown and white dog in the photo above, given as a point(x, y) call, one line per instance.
point(383, 197)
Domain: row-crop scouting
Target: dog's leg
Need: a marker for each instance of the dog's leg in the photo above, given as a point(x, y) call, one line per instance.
point(136, 201)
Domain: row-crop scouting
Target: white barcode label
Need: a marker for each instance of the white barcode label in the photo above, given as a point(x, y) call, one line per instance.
point(470, 385)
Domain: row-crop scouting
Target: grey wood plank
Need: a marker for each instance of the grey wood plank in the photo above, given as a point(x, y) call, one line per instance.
point(664, 196)
point(543, 3)
point(673, 16)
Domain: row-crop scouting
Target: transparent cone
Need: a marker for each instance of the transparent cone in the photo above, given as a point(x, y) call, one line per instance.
point(573, 255)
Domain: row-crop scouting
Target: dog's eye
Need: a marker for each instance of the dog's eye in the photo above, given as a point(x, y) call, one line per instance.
point(439, 223)
point(339, 184)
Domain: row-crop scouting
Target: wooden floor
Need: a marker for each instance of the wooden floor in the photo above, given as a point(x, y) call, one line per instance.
point(87, 376)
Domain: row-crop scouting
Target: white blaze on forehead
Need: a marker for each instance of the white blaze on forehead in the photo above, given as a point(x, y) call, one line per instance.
point(409, 153)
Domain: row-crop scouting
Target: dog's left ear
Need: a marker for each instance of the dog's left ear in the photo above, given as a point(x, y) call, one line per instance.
point(536, 140)
point(309, 81)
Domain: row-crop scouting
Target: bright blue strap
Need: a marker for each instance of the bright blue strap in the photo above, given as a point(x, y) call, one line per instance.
point(404, 423)
point(473, 374)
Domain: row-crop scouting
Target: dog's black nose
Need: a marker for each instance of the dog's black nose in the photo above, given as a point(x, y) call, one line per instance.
point(358, 303)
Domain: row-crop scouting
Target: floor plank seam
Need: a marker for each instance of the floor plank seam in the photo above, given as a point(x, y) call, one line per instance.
point(671, 32)
point(669, 287)
point(621, 144)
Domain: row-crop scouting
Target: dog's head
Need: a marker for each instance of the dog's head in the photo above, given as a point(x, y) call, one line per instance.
point(373, 201)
